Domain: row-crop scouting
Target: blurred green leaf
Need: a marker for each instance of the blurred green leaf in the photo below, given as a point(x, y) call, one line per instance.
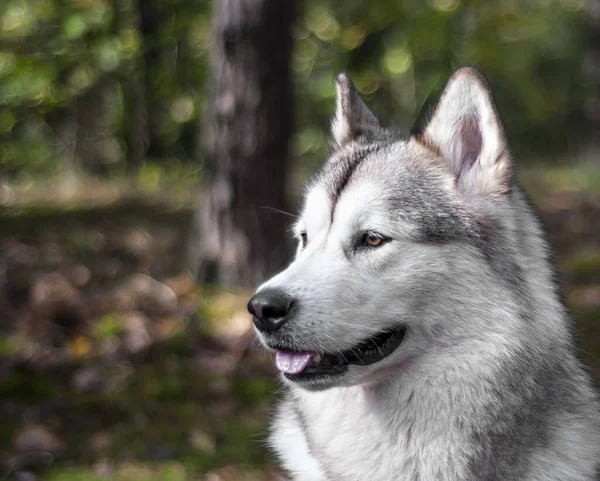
point(109, 326)
point(75, 26)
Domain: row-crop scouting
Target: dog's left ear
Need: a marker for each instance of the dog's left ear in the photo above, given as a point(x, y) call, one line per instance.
point(352, 117)
point(467, 132)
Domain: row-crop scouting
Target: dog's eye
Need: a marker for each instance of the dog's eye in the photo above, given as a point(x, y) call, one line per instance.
point(372, 239)
point(304, 238)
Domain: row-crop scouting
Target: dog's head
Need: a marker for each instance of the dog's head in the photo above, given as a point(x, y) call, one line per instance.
point(391, 240)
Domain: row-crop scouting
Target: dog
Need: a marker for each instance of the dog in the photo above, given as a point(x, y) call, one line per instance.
point(418, 329)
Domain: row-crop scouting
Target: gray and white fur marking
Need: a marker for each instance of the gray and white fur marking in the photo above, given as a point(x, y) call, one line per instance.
point(486, 384)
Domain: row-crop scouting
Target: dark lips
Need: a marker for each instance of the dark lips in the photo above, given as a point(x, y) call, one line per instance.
point(368, 352)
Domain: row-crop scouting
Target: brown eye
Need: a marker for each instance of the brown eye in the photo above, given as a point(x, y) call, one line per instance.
point(372, 239)
point(304, 238)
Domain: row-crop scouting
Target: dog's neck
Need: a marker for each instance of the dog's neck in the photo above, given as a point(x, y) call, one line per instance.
point(450, 411)
point(432, 419)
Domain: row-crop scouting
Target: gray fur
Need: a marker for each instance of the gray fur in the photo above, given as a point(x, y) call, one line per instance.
point(352, 119)
point(486, 384)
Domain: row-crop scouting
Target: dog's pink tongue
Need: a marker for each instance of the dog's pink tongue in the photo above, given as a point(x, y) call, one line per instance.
point(292, 362)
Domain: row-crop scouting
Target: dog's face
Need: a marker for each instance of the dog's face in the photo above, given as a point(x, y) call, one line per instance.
point(388, 237)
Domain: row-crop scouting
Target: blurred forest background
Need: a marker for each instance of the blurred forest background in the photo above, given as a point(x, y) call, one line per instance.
point(147, 151)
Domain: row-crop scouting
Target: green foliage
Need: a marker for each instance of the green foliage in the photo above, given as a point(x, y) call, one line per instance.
point(19, 385)
point(584, 265)
point(108, 326)
point(74, 474)
point(58, 57)
point(55, 55)
point(401, 53)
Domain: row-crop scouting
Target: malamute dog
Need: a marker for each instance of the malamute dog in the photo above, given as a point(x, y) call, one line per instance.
point(419, 328)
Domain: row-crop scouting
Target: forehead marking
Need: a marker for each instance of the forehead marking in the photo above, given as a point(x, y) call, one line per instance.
point(343, 168)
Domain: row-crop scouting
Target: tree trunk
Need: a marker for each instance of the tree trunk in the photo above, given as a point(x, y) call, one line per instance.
point(137, 122)
point(92, 130)
point(137, 134)
point(238, 237)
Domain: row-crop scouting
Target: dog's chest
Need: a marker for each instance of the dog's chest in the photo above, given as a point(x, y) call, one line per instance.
point(344, 435)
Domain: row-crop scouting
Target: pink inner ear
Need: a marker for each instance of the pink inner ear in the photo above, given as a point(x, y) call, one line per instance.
point(471, 142)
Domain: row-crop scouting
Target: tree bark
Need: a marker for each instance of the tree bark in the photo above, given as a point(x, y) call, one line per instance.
point(134, 88)
point(238, 238)
point(151, 19)
point(92, 129)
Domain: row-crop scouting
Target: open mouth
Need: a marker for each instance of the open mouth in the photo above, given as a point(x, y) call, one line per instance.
point(300, 366)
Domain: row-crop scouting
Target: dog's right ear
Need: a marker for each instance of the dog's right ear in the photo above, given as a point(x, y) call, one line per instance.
point(352, 117)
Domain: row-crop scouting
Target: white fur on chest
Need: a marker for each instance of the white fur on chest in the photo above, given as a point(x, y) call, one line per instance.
point(347, 434)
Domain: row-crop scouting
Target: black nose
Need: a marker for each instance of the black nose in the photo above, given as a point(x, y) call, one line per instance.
point(269, 308)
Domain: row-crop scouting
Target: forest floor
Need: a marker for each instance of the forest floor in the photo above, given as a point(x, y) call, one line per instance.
point(115, 366)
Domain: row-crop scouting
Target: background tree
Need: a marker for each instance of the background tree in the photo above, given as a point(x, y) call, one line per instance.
point(236, 239)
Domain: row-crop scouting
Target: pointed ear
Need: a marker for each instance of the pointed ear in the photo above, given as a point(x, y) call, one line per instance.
point(352, 117)
point(467, 132)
